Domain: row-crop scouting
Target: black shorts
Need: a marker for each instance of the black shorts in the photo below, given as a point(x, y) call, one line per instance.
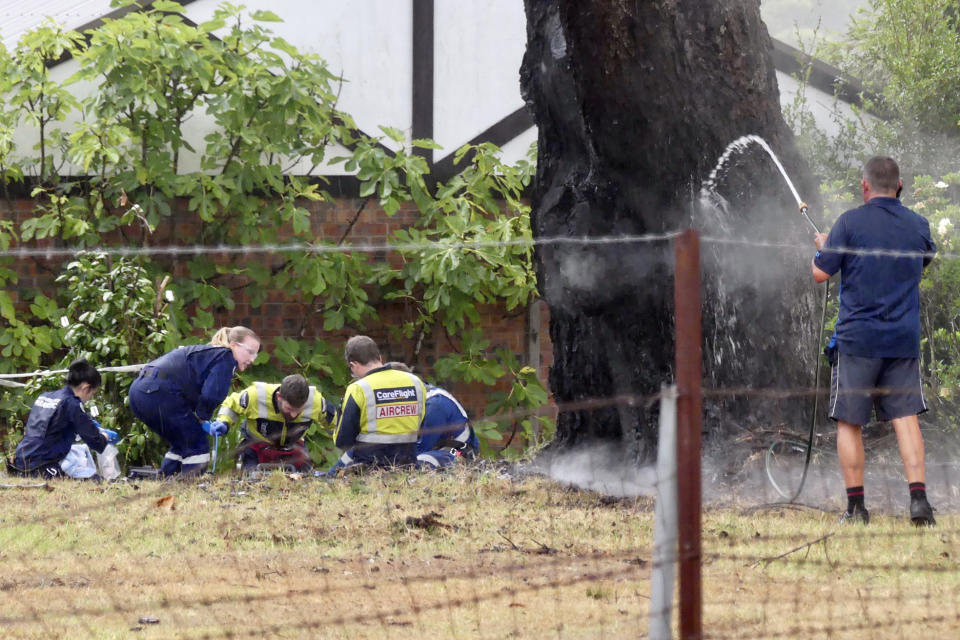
point(890, 385)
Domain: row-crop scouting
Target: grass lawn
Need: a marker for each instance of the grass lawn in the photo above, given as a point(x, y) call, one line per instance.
point(473, 553)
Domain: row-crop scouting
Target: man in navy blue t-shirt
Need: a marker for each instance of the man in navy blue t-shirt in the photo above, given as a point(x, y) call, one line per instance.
point(880, 250)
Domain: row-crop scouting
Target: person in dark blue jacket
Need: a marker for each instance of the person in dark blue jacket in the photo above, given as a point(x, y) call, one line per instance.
point(55, 420)
point(445, 424)
point(176, 395)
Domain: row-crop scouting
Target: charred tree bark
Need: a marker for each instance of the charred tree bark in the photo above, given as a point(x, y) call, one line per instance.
point(635, 103)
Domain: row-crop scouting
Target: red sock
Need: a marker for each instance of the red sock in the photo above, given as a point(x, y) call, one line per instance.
point(918, 490)
point(854, 499)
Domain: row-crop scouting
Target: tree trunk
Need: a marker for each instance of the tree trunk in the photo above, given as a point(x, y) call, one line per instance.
point(635, 103)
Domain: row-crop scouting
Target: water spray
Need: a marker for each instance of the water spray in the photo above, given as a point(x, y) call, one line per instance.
point(739, 145)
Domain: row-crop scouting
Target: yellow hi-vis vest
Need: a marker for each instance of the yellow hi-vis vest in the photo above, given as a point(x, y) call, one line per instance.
point(260, 421)
point(392, 404)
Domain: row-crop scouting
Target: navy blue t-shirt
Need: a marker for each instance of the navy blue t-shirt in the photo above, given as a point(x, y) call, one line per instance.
point(879, 294)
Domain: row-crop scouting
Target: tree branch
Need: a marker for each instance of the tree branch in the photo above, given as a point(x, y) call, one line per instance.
point(356, 217)
point(794, 550)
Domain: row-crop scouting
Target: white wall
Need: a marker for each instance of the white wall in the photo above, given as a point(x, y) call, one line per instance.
point(19, 16)
point(823, 106)
point(479, 47)
point(368, 42)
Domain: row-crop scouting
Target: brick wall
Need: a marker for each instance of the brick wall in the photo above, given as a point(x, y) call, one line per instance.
point(284, 316)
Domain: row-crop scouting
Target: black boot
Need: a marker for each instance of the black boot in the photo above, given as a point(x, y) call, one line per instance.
point(921, 512)
point(857, 514)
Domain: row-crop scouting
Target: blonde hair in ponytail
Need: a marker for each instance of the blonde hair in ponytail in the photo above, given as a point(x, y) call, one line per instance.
point(228, 335)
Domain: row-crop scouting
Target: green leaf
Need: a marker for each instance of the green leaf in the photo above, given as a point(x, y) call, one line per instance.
point(6, 307)
point(167, 6)
point(259, 272)
point(265, 16)
point(425, 143)
point(367, 189)
point(394, 134)
point(333, 321)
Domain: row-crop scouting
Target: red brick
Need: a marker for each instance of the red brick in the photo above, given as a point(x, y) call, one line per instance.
point(285, 316)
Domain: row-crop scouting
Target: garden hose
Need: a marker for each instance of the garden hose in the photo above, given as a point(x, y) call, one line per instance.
point(816, 388)
point(816, 394)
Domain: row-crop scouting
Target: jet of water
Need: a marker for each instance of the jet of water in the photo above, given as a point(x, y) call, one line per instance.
point(739, 145)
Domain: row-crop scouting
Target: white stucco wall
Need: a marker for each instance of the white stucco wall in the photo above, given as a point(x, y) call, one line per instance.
point(479, 46)
point(368, 42)
point(18, 16)
point(824, 107)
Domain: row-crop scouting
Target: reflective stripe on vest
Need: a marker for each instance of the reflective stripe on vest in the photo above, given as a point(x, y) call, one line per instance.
point(436, 391)
point(307, 412)
point(370, 402)
point(263, 409)
point(387, 438)
point(464, 435)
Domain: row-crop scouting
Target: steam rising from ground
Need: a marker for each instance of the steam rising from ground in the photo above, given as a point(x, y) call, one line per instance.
point(600, 467)
point(605, 468)
point(751, 250)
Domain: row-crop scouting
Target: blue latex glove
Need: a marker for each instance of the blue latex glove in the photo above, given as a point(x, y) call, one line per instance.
point(215, 428)
point(96, 424)
point(111, 435)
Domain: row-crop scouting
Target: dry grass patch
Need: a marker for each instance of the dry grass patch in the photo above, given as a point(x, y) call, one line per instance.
point(473, 553)
point(798, 574)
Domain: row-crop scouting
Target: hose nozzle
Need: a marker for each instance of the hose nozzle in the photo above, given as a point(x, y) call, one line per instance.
point(803, 212)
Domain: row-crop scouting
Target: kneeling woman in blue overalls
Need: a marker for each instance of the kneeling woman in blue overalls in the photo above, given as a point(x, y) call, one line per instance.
point(176, 394)
point(56, 418)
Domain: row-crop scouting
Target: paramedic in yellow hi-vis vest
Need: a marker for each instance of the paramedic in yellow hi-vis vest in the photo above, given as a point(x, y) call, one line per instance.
point(273, 419)
point(382, 409)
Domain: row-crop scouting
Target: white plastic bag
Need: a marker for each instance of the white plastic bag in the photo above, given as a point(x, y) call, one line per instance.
point(108, 463)
point(78, 462)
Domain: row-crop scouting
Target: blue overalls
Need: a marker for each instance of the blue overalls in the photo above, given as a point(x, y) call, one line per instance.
point(55, 420)
point(175, 393)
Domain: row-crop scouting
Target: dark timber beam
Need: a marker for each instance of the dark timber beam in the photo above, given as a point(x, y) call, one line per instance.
point(822, 76)
point(423, 57)
point(116, 14)
point(499, 134)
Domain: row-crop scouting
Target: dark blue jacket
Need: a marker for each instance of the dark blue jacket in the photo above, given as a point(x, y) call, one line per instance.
point(55, 420)
point(445, 419)
point(202, 373)
point(879, 294)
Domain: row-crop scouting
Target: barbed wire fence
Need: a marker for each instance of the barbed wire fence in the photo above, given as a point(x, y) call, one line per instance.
point(486, 550)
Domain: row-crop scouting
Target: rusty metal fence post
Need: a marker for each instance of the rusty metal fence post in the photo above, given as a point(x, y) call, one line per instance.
point(688, 335)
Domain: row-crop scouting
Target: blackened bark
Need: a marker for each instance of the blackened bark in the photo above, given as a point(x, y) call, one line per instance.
point(635, 102)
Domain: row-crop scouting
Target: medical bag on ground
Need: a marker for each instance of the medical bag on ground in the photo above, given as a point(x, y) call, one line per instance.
point(109, 464)
point(78, 463)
